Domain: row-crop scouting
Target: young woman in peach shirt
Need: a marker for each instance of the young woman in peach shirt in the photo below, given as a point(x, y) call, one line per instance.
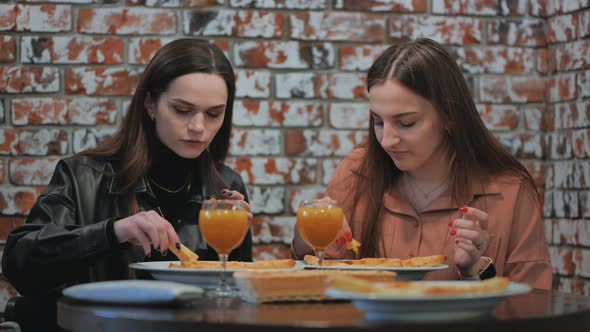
point(433, 180)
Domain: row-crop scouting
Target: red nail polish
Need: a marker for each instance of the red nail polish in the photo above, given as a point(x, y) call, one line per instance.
point(451, 223)
point(453, 232)
point(463, 209)
point(341, 240)
point(348, 236)
point(456, 241)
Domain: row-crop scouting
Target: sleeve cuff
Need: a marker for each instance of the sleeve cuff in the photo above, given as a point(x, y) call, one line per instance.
point(484, 262)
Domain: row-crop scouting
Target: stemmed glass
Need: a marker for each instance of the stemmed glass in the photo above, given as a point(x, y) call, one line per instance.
point(318, 223)
point(224, 224)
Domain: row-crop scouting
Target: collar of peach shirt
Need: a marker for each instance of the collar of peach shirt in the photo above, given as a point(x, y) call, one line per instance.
point(396, 202)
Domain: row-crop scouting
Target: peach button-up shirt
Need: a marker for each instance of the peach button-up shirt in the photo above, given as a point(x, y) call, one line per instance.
point(517, 242)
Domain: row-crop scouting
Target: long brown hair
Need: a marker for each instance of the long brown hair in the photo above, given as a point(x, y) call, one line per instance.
point(132, 146)
point(425, 67)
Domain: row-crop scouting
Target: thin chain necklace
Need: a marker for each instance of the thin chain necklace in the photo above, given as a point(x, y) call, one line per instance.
point(170, 191)
point(425, 194)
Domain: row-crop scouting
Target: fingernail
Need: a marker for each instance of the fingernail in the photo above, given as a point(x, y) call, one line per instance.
point(165, 252)
point(456, 241)
point(453, 232)
point(177, 245)
point(451, 223)
point(463, 209)
point(224, 191)
point(229, 194)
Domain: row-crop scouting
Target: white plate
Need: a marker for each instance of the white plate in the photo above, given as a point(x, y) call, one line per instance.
point(205, 278)
point(433, 308)
point(403, 273)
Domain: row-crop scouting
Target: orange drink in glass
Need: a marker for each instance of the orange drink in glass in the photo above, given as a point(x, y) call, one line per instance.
point(224, 224)
point(318, 223)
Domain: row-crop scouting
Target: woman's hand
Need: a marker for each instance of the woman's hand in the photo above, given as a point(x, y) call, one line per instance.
point(471, 239)
point(146, 228)
point(237, 196)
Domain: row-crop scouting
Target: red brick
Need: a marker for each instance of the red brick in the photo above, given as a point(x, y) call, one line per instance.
point(265, 171)
point(360, 27)
point(517, 32)
point(266, 200)
point(495, 59)
point(304, 194)
point(43, 18)
point(583, 114)
point(584, 233)
point(2, 115)
point(565, 116)
point(174, 3)
point(581, 140)
point(584, 83)
point(349, 115)
point(40, 142)
point(543, 8)
point(7, 224)
point(1, 171)
point(358, 57)
point(17, 201)
point(23, 79)
point(445, 30)
point(68, 50)
point(499, 117)
point(283, 54)
point(395, 6)
point(270, 251)
point(100, 81)
point(511, 89)
point(560, 145)
point(259, 24)
point(566, 204)
point(564, 231)
point(575, 285)
point(575, 55)
point(582, 259)
point(341, 86)
point(88, 138)
point(584, 24)
point(267, 229)
point(280, 4)
point(524, 145)
point(561, 88)
point(253, 83)
point(7, 49)
point(80, 111)
point(278, 113)
point(295, 85)
point(125, 21)
point(234, 23)
point(322, 143)
point(538, 118)
point(8, 140)
point(562, 28)
point(562, 260)
point(31, 172)
point(255, 142)
point(480, 7)
point(546, 60)
point(141, 50)
point(7, 17)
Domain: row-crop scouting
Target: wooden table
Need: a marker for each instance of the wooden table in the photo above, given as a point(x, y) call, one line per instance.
point(536, 311)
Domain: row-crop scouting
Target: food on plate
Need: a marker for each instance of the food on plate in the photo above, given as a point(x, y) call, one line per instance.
point(425, 261)
point(302, 285)
point(184, 254)
point(263, 264)
point(417, 288)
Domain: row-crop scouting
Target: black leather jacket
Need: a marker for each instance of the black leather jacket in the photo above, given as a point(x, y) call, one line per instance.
point(65, 240)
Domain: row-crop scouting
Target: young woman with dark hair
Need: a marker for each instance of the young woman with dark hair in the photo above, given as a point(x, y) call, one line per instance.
point(432, 179)
point(139, 192)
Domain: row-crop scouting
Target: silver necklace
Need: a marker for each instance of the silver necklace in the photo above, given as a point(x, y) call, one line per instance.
point(170, 191)
point(426, 194)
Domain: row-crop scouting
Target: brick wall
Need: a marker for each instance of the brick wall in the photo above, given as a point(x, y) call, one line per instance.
point(68, 68)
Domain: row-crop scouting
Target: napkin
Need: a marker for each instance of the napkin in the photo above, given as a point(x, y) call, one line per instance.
point(133, 292)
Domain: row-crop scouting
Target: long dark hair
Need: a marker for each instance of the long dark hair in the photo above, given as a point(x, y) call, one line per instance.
point(132, 146)
point(425, 67)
